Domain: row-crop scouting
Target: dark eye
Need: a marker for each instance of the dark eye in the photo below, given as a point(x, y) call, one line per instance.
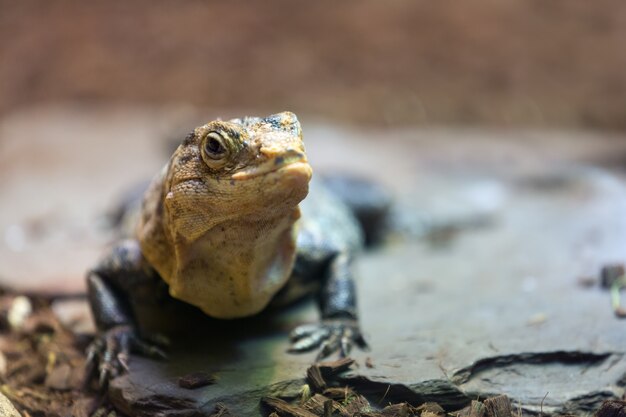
point(215, 149)
point(214, 146)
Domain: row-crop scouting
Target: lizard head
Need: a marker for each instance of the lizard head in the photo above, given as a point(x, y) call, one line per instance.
point(242, 167)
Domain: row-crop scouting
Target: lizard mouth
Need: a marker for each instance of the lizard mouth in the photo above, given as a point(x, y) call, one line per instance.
point(292, 162)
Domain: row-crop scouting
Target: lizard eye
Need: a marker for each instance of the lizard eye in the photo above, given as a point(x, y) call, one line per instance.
point(213, 146)
point(214, 149)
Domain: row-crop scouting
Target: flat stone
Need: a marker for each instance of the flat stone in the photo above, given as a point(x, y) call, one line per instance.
point(462, 318)
point(479, 295)
point(494, 309)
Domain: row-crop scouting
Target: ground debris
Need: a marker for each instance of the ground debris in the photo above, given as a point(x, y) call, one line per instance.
point(332, 368)
point(338, 393)
point(356, 403)
point(318, 374)
point(196, 380)
point(221, 411)
point(324, 396)
point(475, 409)
point(321, 405)
point(612, 408)
point(43, 369)
point(430, 409)
point(499, 406)
point(399, 410)
point(314, 379)
point(284, 409)
point(611, 273)
point(84, 407)
point(612, 277)
point(345, 402)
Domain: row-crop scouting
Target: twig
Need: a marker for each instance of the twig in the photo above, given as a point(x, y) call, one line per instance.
point(541, 405)
point(385, 394)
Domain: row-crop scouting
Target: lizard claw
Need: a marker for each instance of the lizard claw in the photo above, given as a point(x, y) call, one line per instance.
point(331, 335)
point(109, 353)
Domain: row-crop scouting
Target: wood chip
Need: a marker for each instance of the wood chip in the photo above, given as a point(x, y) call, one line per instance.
point(284, 409)
point(328, 408)
point(314, 379)
point(332, 368)
point(339, 393)
point(356, 403)
point(59, 377)
point(350, 400)
point(612, 408)
point(432, 408)
point(499, 406)
point(398, 410)
point(84, 407)
point(611, 273)
point(321, 406)
point(475, 409)
point(586, 281)
point(196, 380)
point(371, 413)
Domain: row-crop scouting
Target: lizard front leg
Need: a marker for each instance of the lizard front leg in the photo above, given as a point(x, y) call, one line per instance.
point(108, 288)
point(339, 327)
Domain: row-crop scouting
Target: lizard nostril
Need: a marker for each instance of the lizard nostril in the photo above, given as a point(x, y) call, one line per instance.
point(285, 157)
point(293, 155)
point(289, 153)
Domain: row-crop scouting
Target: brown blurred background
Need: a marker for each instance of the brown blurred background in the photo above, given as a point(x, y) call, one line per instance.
point(527, 63)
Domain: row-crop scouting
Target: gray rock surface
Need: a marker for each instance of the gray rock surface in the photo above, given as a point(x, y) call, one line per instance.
point(491, 307)
point(480, 294)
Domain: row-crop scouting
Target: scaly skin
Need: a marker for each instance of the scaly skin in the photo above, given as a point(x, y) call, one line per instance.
point(221, 229)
